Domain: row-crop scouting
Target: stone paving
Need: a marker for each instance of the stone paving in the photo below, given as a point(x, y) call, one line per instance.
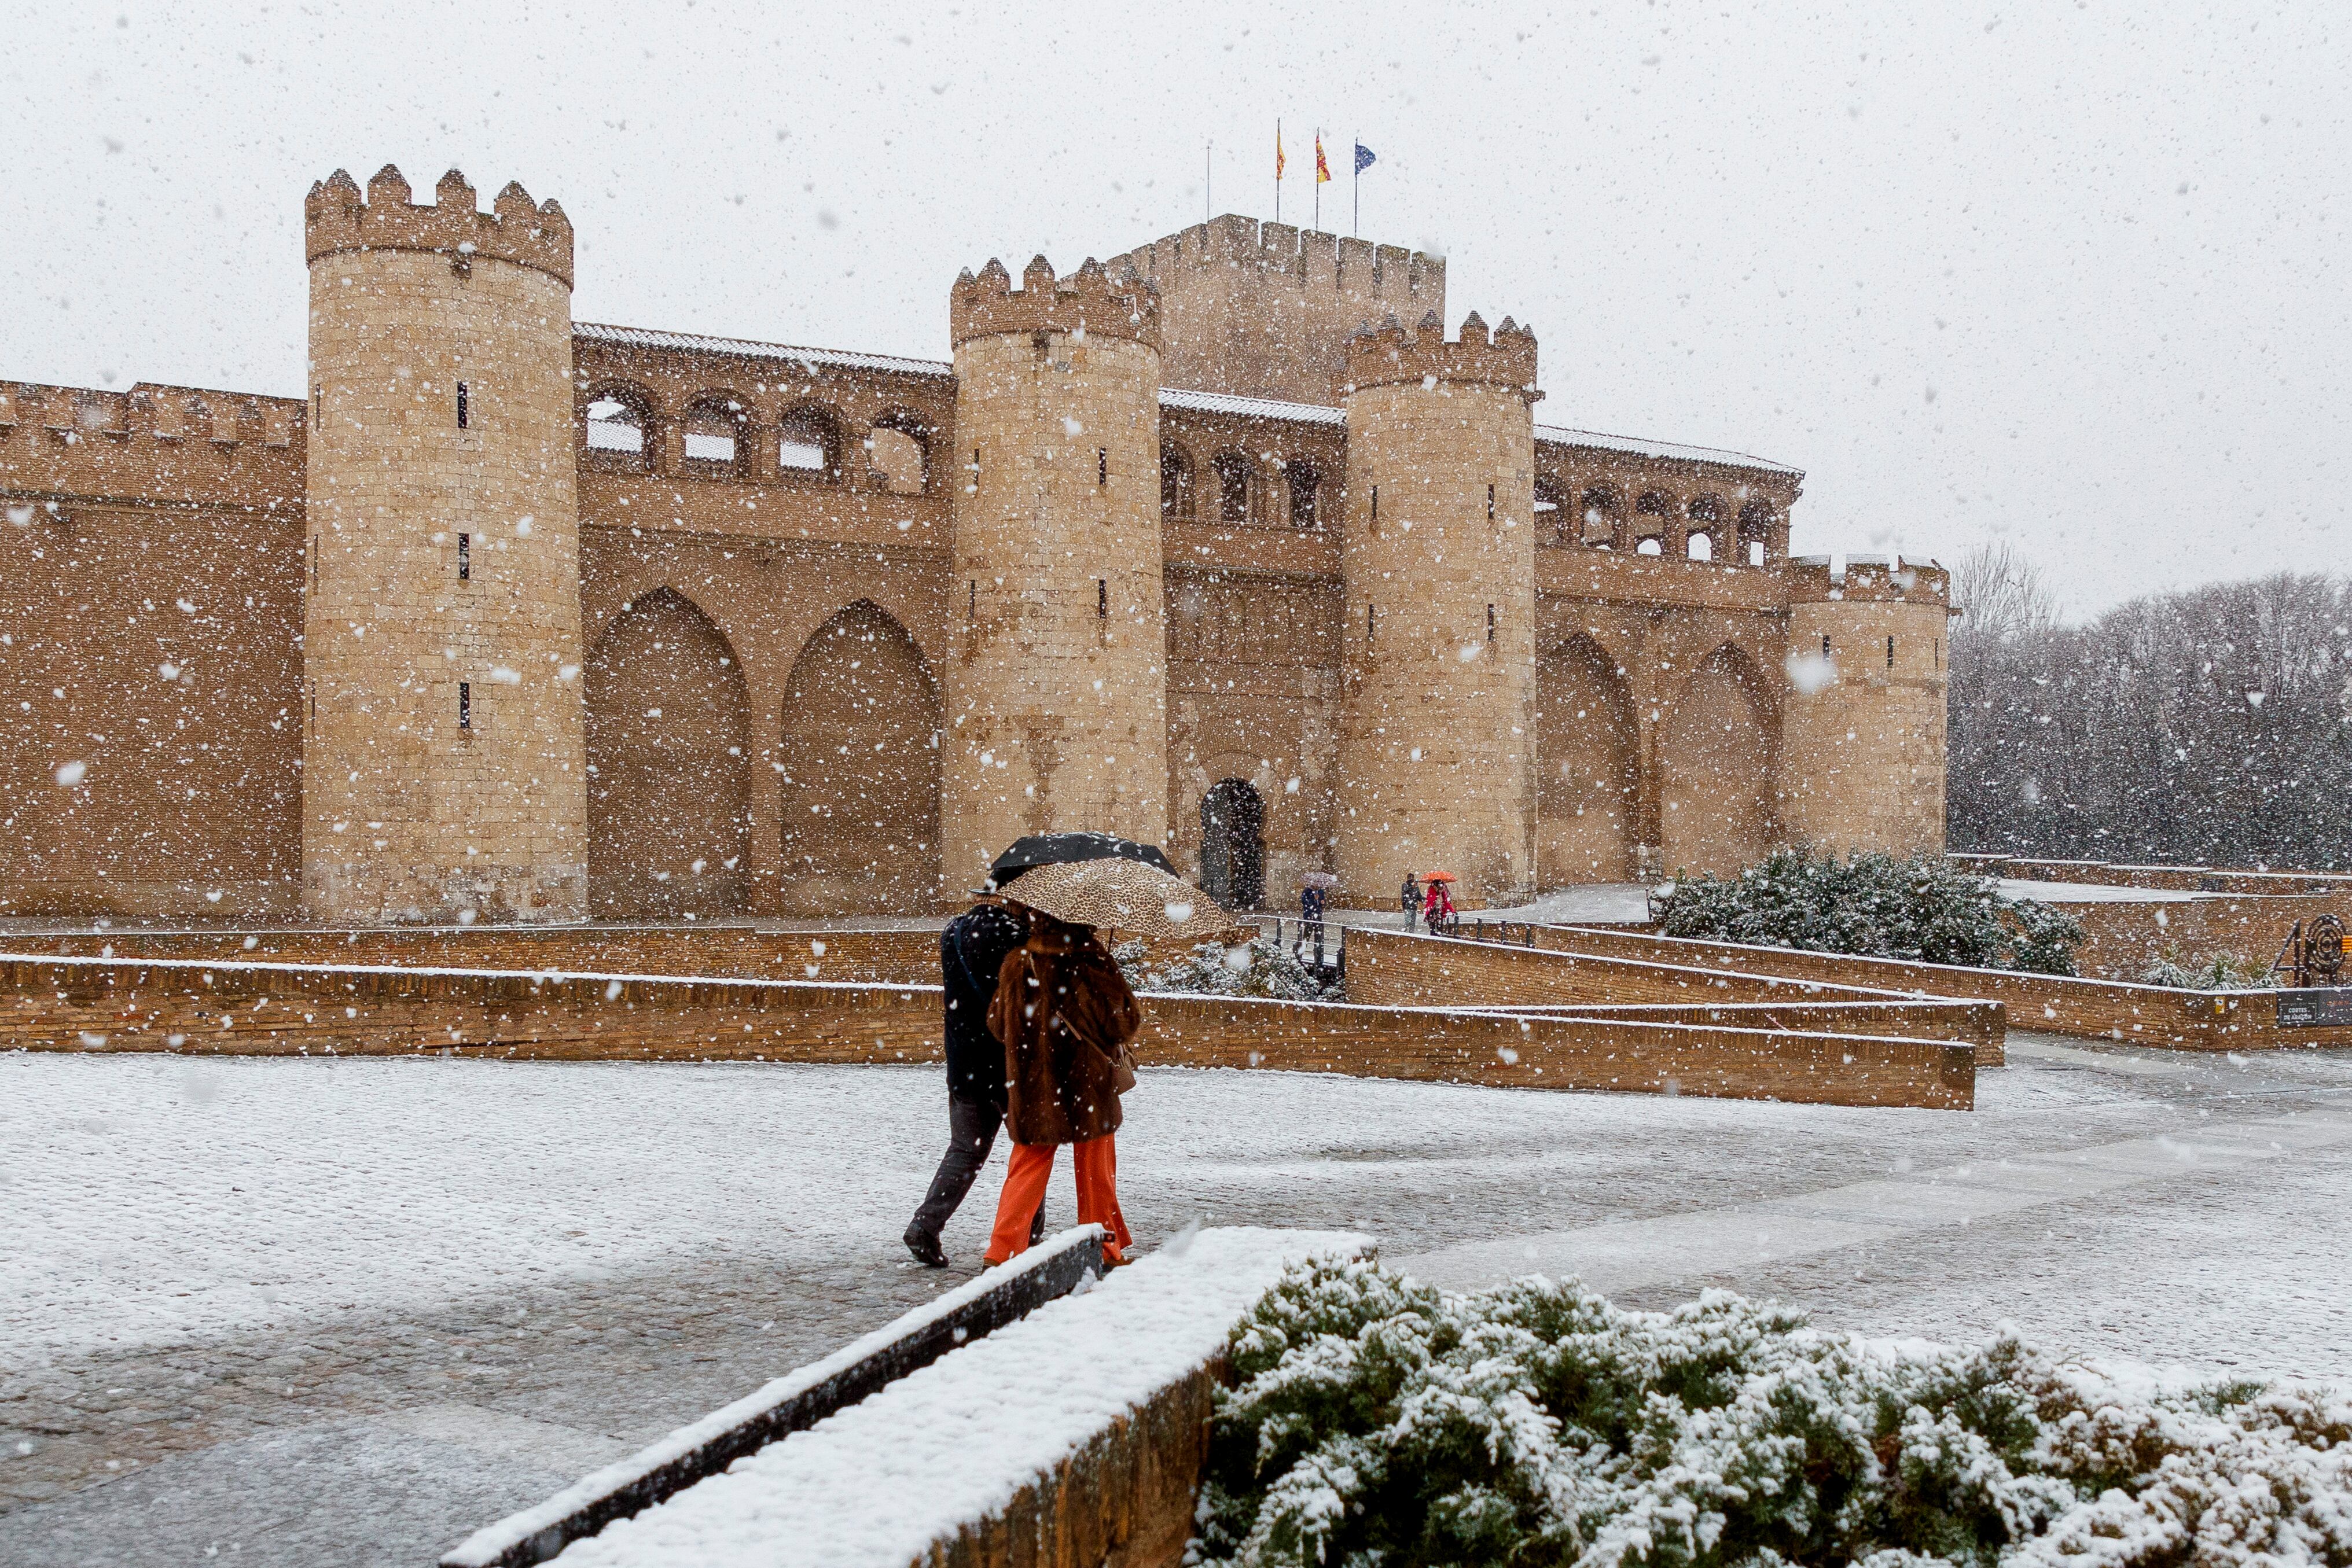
point(381, 1435)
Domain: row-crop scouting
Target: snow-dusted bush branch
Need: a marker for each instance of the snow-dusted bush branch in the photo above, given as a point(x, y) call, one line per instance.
point(1922, 908)
point(1377, 1421)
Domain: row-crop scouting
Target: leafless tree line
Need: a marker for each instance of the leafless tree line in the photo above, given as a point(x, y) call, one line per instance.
point(2211, 726)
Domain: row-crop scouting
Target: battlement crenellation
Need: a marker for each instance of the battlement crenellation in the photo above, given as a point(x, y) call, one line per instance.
point(1090, 301)
point(338, 218)
point(1388, 354)
point(1406, 280)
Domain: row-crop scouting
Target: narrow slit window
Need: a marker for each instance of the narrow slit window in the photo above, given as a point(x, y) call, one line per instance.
point(1490, 503)
point(1102, 599)
point(972, 609)
point(317, 405)
point(1376, 505)
point(1890, 652)
point(1102, 464)
point(465, 558)
point(1490, 624)
point(1368, 621)
point(464, 704)
point(464, 411)
point(1825, 645)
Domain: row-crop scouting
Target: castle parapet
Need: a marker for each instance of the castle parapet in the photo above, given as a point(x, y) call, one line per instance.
point(1387, 355)
point(337, 217)
point(1090, 301)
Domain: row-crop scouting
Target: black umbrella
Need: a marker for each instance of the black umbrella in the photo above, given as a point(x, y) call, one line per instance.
point(1060, 849)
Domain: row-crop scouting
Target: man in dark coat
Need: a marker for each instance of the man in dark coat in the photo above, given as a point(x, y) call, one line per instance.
point(1410, 896)
point(971, 952)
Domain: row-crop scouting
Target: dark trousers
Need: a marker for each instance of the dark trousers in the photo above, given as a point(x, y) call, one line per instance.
point(971, 1133)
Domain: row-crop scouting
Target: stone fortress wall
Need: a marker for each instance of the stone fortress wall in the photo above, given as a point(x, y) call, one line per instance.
point(796, 568)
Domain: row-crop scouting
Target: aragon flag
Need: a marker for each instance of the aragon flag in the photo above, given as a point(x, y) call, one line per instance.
point(1322, 170)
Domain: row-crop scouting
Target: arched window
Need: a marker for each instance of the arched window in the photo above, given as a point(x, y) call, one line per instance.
point(1551, 516)
point(619, 429)
point(1757, 521)
point(1232, 486)
point(1175, 483)
point(1706, 519)
point(1306, 485)
point(1650, 515)
point(1604, 510)
point(717, 431)
point(808, 442)
point(898, 448)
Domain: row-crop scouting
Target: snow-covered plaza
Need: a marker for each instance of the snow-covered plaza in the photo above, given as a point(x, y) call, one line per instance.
point(343, 1311)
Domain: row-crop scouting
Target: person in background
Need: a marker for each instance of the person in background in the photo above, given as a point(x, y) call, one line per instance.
point(1310, 919)
point(1064, 1014)
point(1410, 896)
point(971, 952)
point(1439, 916)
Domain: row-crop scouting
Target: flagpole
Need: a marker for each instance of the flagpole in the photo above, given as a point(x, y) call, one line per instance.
point(1356, 197)
point(1318, 177)
point(1277, 169)
point(1208, 183)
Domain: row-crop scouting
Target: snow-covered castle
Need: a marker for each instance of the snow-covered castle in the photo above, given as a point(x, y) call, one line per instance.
point(1223, 544)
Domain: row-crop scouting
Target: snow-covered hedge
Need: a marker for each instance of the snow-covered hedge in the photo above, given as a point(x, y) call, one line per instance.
point(1379, 1422)
point(1262, 968)
point(1921, 907)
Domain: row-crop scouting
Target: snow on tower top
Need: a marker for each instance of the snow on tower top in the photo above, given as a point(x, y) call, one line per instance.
point(1089, 299)
point(1390, 353)
point(336, 218)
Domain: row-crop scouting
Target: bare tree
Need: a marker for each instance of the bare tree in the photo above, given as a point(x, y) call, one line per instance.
point(2208, 726)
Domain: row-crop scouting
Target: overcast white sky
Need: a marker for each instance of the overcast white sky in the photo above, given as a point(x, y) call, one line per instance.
point(2070, 273)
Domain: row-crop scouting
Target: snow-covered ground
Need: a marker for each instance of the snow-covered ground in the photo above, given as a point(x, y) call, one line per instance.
point(297, 1301)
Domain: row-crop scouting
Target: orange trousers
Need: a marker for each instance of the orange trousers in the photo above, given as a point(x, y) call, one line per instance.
point(1096, 1163)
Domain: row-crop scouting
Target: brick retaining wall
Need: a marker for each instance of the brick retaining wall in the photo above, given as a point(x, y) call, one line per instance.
point(1405, 969)
point(262, 1008)
point(2051, 1003)
point(733, 952)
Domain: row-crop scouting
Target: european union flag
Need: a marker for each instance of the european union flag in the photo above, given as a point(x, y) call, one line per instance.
point(1364, 158)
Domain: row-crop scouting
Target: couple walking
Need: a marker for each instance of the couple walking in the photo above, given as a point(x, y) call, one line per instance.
point(1038, 1021)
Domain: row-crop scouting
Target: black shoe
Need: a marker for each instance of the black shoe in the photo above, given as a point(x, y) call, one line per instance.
point(925, 1246)
point(1037, 1226)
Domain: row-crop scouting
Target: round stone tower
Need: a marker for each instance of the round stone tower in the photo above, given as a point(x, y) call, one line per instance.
point(1861, 737)
point(1436, 748)
point(1057, 695)
point(443, 768)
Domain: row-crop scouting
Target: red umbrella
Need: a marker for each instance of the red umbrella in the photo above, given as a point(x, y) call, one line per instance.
point(1437, 876)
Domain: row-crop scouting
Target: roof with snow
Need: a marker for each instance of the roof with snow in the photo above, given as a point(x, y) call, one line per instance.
point(1561, 435)
point(744, 347)
point(1185, 398)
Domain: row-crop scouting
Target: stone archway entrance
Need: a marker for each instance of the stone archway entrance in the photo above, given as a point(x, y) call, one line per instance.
point(1232, 844)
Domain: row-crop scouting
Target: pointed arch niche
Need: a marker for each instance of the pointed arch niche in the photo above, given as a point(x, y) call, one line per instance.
point(669, 773)
point(1717, 756)
point(1589, 756)
point(860, 778)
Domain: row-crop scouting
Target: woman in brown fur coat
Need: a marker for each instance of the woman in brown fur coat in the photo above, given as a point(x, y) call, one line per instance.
point(1064, 1015)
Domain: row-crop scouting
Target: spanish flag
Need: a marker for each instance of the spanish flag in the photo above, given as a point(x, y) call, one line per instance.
point(1322, 170)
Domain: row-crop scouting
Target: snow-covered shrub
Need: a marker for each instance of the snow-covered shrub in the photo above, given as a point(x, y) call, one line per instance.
point(2214, 972)
point(1262, 968)
point(1377, 1421)
point(1921, 907)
